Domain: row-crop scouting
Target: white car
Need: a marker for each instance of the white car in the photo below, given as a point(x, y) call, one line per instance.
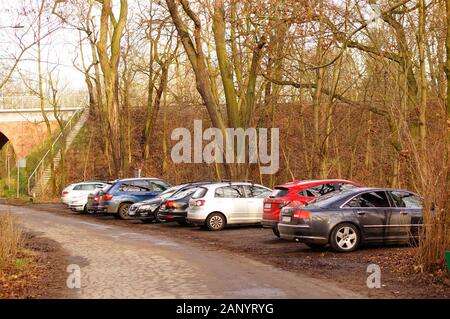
point(226, 203)
point(76, 195)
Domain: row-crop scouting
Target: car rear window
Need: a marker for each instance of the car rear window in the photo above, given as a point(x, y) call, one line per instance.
point(199, 193)
point(279, 192)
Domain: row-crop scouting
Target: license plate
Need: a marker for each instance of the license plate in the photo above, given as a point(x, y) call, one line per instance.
point(267, 205)
point(286, 219)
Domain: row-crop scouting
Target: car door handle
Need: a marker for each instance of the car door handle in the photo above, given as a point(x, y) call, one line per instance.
point(361, 213)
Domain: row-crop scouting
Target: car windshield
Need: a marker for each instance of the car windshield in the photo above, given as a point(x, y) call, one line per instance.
point(170, 191)
point(183, 193)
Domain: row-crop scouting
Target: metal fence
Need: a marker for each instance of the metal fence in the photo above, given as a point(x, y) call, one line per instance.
point(18, 102)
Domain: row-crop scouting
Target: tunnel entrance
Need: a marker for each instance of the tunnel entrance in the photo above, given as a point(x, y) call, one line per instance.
point(3, 140)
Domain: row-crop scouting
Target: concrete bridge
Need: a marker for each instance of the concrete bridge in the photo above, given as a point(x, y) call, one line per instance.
point(22, 123)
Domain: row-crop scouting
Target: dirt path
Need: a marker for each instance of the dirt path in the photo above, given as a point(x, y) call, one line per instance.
point(117, 262)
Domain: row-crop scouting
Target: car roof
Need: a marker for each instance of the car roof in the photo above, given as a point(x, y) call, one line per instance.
point(135, 179)
point(89, 182)
point(312, 182)
point(220, 184)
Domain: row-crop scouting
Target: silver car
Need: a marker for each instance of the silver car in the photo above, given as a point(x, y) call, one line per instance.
point(226, 203)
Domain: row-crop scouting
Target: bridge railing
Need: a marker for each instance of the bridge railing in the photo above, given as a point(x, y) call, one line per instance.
point(42, 165)
point(17, 102)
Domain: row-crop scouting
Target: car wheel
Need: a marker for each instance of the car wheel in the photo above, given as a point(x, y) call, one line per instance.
point(344, 238)
point(123, 210)
point(276, 232)
point(215, 221)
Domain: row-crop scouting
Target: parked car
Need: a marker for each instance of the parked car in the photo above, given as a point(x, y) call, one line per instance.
point(75, 195)
point(350, 218)
point(174, 208)
point(220, 204)
point(147, 209)
point(94, 199)
point(298, 193)
point(118, 198)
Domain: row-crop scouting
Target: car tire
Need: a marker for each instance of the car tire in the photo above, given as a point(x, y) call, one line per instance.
point(276, 232)
point(216, 221)
point(123, 210)
point(345, 238)
point(84, 211)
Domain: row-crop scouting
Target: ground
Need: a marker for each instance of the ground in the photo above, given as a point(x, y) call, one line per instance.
point(38, 272)
point(128, 259)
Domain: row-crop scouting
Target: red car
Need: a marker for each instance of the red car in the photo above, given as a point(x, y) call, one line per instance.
point(298, 193)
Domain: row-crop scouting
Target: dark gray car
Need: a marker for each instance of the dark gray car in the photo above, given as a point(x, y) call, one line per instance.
point(350, 218)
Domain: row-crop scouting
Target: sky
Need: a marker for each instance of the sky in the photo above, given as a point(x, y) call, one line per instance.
point(59, 48)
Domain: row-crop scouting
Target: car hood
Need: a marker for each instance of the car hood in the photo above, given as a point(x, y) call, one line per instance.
point(156, 200)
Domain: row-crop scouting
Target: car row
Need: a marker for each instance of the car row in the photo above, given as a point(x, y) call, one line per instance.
point(339, 213)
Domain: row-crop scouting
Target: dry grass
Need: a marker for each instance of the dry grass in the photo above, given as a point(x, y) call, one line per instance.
point(11, 239)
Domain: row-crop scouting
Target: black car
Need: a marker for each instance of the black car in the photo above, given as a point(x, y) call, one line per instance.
point(174, 209)
point(148, 210)
point(350, 218)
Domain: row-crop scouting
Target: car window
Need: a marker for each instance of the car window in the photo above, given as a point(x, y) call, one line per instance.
point(159, 186)
point(256, 191)
point(345, 186)
point(88, 187)
point(130, 187)
point(199, 193)
point(279, 192)
point(229, 192)
point(77, 188)
point(372, 199)
point(319, 190)
point(405, 199)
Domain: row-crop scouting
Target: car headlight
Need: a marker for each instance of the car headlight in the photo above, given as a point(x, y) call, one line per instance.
point(145, 207)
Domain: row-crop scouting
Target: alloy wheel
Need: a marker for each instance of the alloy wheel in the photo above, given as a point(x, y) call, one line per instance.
point(346, 238)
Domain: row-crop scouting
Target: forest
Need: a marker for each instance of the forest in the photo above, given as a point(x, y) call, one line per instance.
point(359, 89)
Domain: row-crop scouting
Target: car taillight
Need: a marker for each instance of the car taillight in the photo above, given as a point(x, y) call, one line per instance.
point(107, 197)
point(170, 205)
point(96, 198)
point(65, 193)
point(199, 202)
point(301, 214)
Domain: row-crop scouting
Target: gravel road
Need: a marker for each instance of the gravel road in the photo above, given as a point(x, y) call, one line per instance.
point(118, 262)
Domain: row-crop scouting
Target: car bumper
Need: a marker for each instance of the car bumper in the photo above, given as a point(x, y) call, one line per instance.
point(172, 216)
point(76, 207)
point(269, 223)
point(141, 214)
point(300, 233)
